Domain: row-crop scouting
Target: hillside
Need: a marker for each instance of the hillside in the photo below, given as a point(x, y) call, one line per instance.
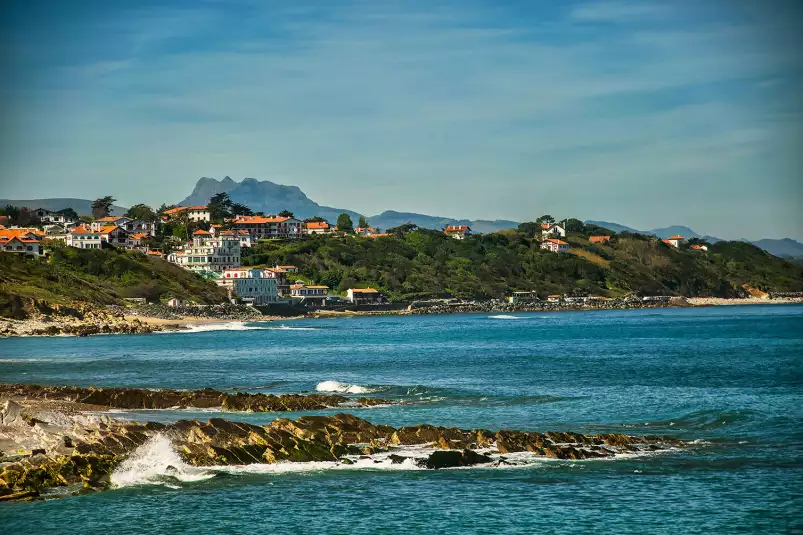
point(81, 206)
point(426, 263)
point(79, 276)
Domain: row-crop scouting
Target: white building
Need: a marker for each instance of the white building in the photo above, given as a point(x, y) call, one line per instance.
point(674, 241)
point(48, 216)
point(138, 226)
point(458, 232)
point(314, 294)
point(255, 286)
point(554, 245)
point(107, 221)
point(209, 253)
point(553, 229)
point(317, 227)
point(194, 213)
point(84, 238)
point(363, 296)
point(270, 227)
point(21, 245)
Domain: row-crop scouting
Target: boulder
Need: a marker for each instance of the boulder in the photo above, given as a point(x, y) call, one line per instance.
point(453, 458)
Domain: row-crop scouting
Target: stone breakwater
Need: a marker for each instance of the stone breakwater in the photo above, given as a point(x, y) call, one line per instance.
point(505, 307)
point(46, 449)
point(138, 398)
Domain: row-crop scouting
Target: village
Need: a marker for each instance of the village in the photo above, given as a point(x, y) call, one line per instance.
point(214, 250)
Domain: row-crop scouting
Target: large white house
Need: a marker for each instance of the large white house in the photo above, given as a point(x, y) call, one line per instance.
point(209, 253)
point(270, 227)
point(23, 245)
point(49, 216)
point(117, 221)
point(552, 229)
point(194, 213)
point(458, 232)
point(252, 285)
point(674, 241)
point(313, 294)
point(317, 227)
point(363, 296)
point(555, 245)
point(84, 238)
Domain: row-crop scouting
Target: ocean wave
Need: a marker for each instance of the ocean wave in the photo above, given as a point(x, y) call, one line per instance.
point(343, 388)
point(236, 326)
point(156, 463)
point(505, 317)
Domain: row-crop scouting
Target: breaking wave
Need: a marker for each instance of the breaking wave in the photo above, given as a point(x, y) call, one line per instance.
point(505, 317)
point(343, 388)
point(156, 463)
point(237, 326)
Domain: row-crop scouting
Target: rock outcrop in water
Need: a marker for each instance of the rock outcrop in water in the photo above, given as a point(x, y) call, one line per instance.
point(138, 398)
point(42, 448)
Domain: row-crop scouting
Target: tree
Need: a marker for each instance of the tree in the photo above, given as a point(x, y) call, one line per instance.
point(69, 213)
point(344, 223)
point(240, 209)
point(286, 213)
point(363, 223)
point(102, 207)
point(545, 219)
point(575, 225)
point(530, 228)
point(12, 212)
point(219, 207)
point(401, 230)
point(141, 211)
point(315, 219)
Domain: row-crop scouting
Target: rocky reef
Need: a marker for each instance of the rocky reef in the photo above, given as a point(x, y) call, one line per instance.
point(44, 447)
point(79, 320)
point(139, 398)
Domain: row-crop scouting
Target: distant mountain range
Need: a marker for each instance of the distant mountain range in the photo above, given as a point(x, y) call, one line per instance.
point(81, 206)
point(784, 248)
point(269, 197)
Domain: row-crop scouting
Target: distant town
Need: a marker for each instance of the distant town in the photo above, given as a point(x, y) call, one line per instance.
point(210, 239)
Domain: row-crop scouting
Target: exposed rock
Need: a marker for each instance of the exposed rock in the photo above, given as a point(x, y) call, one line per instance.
point(77, 450)
point(138, 398)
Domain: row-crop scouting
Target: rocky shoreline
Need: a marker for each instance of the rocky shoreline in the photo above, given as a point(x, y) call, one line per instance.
point(138, 398)
point(47, 445)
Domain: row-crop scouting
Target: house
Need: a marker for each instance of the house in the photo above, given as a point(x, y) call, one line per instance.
point(175, 302)
point(156, 254)
point(21, 245)
point(252, 285)
point(599, 239)
point(115, 235)
point(83, 237)
point(458, 232)
point(364, 231)
point(555, 245)
point(554, 298)
point(674, 241)
point(552, 229)
point(281, 280)
point(364, 296)
point(270, 227)
point(194, 213)
point(317, 227)
point(140, 226)
point(138, 239)
point(311, 294)
point(522, 297)
point(109, 221)
point(209, 253)
point(49, 216)
point(698, 247)
point(289, 269)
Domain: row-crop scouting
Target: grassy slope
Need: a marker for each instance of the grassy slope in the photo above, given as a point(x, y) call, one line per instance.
point(427, 264)
point(96, 276)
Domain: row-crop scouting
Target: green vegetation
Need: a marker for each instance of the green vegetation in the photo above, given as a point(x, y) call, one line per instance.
point(102, 207)
point(344, 223)
point(97, 276)
point(418, 263)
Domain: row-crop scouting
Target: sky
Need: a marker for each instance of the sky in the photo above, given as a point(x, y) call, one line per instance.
point(647, 114)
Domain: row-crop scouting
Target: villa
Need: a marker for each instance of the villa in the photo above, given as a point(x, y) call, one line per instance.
point(552, 229)
point(312, 294)
point(363, 296)
point(674, 241)
point(110, 221)
point(21, 245)
point(458, 232)
point(553, 245)
point(209, 253)
point(317, 227)
point(194, 213)
point(271, 227)
point(252, 285)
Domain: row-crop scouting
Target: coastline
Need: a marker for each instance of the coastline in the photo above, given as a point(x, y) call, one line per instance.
point(144, 324)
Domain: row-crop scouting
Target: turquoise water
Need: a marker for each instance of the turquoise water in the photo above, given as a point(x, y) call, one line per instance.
point(729, 378)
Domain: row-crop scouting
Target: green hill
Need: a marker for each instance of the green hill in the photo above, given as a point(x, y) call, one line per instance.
point(77, 277)
point(425, 263)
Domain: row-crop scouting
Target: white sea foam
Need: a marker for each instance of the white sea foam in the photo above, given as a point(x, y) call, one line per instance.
point(237, 326)
point(343, 388)
point(156, 463)
point(505, 317)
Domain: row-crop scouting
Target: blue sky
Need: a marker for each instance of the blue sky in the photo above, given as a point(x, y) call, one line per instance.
point(643, 113)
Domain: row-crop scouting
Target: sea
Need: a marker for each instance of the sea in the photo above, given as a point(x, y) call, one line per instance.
point(728, 380)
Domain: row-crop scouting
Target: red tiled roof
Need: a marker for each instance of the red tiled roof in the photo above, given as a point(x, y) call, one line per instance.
point(364, 291)
point(110, 228)
point(318, 224)
point(201, 232)
point(677, 237)
point(455, 228)
point(554, 240)
point(257, 220)
point(598, 239)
